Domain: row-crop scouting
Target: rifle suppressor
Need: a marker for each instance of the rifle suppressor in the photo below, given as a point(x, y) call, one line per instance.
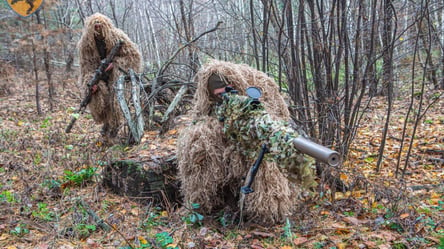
point(317, 151)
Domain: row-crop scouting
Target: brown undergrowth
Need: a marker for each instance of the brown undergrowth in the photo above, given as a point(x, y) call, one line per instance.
point(51, 195)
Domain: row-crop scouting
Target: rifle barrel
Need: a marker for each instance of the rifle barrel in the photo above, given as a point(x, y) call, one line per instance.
point(317, 151)
point(71, 124)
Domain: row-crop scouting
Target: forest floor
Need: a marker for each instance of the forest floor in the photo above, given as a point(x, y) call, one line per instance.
point(50, 186)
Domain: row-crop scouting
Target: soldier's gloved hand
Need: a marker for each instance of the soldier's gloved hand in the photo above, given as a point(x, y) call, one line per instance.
point(110, 66)
point(94, 89)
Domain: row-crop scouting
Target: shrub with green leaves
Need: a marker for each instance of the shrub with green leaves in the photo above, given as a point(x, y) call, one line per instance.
point(193, 217)
point(79, 177)
point(84, 230)
point(153, 219)
point(43, 212)
point(8, 196)
point(165, 240)
point(20, 230)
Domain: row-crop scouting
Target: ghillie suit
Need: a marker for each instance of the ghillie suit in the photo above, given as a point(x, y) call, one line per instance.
point(98, 38)
point(212, 165)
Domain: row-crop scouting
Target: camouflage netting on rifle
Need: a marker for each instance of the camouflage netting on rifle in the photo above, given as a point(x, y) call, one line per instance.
point(248, 125)
point(100, 33)
point(212, 167)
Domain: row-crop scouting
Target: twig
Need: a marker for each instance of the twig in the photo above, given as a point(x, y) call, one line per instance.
point(100, 222)
point(170, 60)
point(123, 236)
point(427, 187)
point(163, 68)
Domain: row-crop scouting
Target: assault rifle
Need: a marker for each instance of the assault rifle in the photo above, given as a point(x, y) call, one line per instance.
point(94, 81)
point(246, 120)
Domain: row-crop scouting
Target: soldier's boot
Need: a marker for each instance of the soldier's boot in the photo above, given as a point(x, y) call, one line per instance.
point(113, 132)
point(105, 129)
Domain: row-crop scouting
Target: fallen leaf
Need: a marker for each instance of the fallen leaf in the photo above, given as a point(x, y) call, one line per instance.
point(300, 241)
point(325, 212)
point(342, 245)
point(43, 246)
point(340, 229)
point(434, 201)
point(353, 220)
point(172, 132)
point(384, 235)
point(339, 195)
point(152, 133)
point(4, 236)
point(256, 247)
point(285, 247)
point(404, 215)
point(135, 211)
point(370, 244)
point(436, 240)
point(384, 246)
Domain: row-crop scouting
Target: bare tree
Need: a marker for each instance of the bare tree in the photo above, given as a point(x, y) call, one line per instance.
point(331, 57)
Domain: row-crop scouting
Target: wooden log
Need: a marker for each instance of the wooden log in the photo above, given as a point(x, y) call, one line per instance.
point(166, 117)
point(135, 94)
point(124, 107)
point(153, 182)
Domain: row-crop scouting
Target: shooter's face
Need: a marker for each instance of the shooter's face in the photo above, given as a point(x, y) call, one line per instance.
point(216, 86)
point(98, 29)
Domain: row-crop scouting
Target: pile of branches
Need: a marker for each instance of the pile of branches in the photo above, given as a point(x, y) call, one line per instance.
point(162, 97)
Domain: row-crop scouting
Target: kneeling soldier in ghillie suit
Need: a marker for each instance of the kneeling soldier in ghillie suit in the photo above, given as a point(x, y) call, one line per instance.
point(215, 153)
point(98, 38)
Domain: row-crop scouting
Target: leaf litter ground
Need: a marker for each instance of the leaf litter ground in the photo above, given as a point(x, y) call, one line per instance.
point(43, 207)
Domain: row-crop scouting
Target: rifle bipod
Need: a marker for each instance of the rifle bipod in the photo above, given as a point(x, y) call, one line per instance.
point(249, 180)
point(253, 171)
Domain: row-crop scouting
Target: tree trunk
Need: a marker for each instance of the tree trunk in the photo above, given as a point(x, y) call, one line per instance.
point(387, 83)
point(36, 79)
point(387, 40)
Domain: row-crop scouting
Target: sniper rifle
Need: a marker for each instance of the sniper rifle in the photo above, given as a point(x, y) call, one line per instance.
point(246, 120)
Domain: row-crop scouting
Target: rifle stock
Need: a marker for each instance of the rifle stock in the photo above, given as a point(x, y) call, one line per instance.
point(94, 80)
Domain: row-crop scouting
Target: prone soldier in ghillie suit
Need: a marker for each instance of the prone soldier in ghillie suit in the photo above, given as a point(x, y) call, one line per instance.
point(213, 159)
point(99, 36)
